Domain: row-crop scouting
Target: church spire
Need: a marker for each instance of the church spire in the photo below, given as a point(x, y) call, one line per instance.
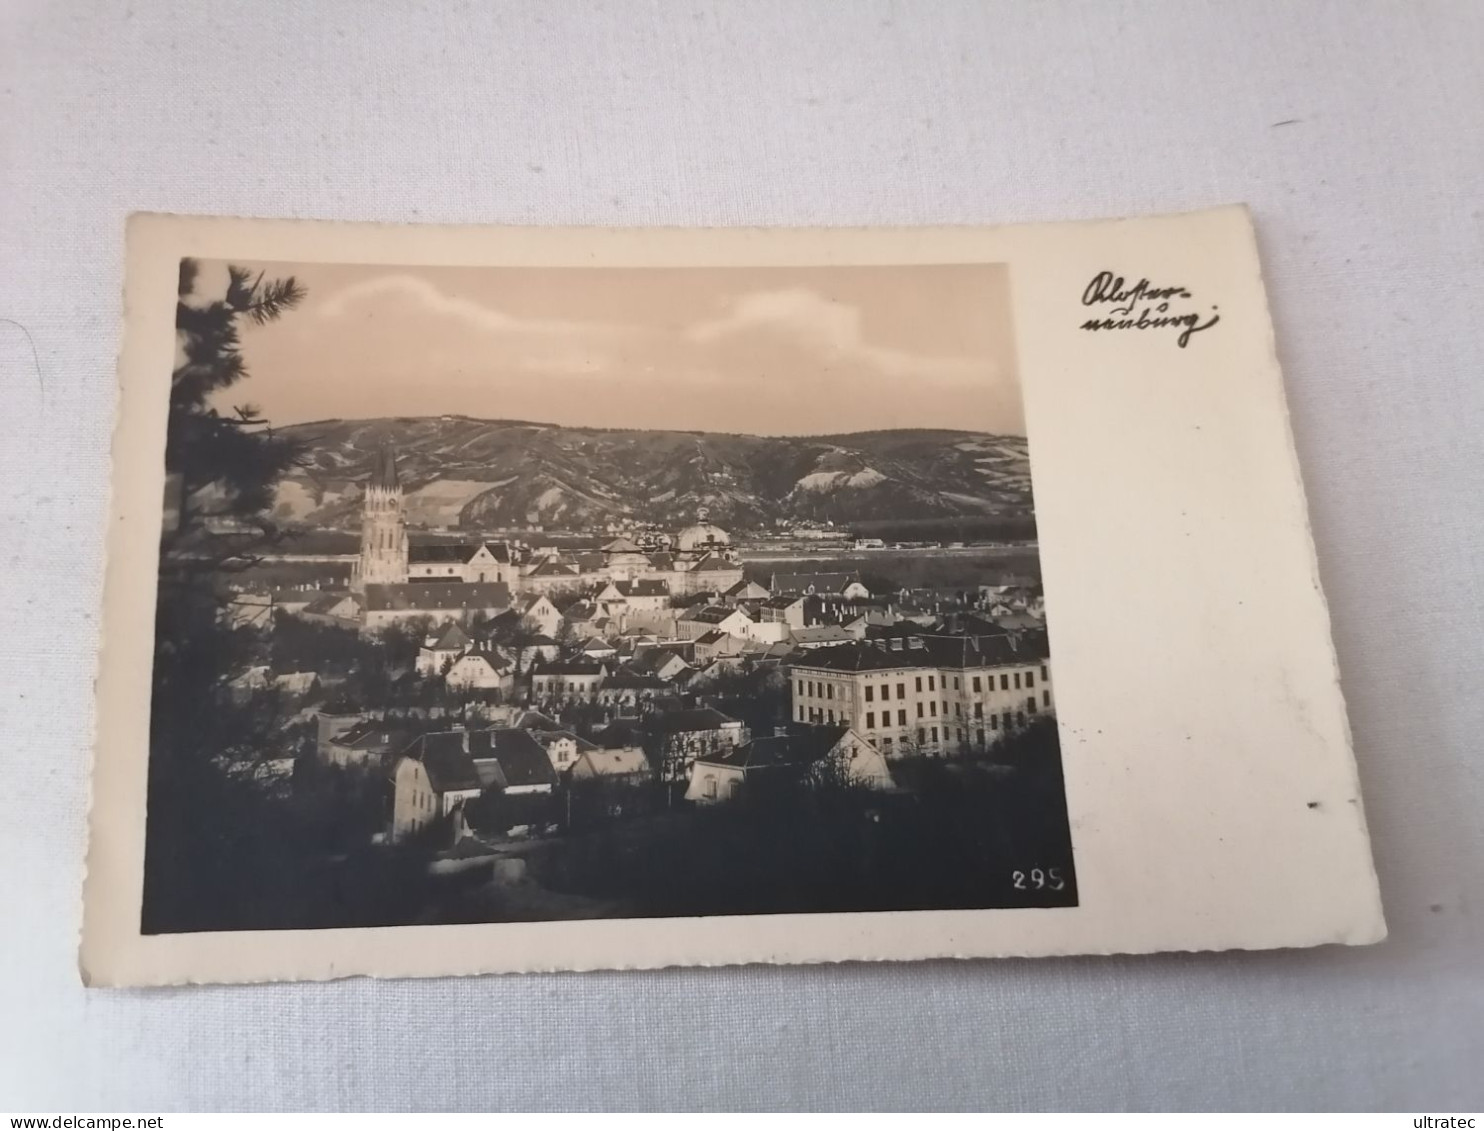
point(383, 559)
point(384, 473)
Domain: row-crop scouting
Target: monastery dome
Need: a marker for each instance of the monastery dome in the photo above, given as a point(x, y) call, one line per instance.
point(703, 535)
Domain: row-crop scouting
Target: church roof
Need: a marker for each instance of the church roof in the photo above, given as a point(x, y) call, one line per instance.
point(384, 471)
point(437, 596)
point(459, 552)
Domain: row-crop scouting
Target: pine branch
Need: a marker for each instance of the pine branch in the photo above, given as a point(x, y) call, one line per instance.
point(270, 300)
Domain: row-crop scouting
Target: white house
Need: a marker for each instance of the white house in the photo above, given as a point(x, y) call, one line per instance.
point(440, 649)
point(540, 610)
point(622, 763)
point(441, 770)
point(694, 733)
point(337, 609)
point(746, 591)
point(814, 754)
point(481, 671)
point(567, 679)
point(786, 609)
point(717, 643)
point(644, 595)
point(663, 663)
point(702, 619)
point(562, 748)
point(597, 649)
point(822, 635)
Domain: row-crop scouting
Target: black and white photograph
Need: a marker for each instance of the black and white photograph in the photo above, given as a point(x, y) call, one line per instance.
point(520, 594)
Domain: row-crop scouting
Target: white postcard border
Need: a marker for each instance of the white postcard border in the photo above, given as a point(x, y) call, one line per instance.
point(1211, 786)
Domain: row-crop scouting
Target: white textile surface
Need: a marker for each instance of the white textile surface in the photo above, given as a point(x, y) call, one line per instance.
point(1353, 129)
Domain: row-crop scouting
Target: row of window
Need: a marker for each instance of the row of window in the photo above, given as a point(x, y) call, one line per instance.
point(1009, 681)
point(827, 714)
point(994, 719)
point(928, 736)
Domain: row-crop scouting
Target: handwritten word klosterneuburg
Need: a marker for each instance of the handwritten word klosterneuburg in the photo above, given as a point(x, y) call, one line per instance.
point(1141, 306)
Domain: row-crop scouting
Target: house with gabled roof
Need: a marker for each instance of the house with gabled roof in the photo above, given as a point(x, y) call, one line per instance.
point(462, 561)
point(481, 671)
point(626, 687)
point(562, 747)
point(441, 770)
point(822, 635)
point(786, 609)
point(718, 643)
point(338, 609)
point(746, 590)
point(567, 679)
point(645, 592)
point(534, 720)
point(551, 573)
point(625, 765)
point(816, 754)
point(687, 734)
point(539, 609)
point(700, 619)
point(441, 648)
point(367, 742)
point(581, 619)
point(596, 648)
point(665, 662)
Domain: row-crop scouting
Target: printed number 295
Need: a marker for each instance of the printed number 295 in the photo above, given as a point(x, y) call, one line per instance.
point(1039, 879)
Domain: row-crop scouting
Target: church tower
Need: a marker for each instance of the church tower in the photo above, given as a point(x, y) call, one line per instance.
point(383, 535)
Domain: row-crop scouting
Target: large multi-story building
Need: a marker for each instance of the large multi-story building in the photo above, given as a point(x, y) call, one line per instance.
point(926, 694)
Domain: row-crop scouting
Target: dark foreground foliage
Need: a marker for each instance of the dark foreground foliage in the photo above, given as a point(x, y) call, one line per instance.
point(966, 835)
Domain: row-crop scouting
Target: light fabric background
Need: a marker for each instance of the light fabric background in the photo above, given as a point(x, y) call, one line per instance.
point(1353, 129)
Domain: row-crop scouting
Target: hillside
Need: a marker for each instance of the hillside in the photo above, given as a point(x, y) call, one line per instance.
point(490, 473)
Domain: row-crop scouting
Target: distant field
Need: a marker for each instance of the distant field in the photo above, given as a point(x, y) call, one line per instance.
point(966, 528)
point(910, 568)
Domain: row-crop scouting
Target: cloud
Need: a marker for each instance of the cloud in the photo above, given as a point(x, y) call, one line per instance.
point(422, 295)
point(831, 329)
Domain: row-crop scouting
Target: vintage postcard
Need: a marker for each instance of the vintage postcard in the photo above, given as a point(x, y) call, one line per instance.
point(493, 600)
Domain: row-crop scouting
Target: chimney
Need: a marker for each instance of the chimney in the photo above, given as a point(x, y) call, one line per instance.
point(465, 730)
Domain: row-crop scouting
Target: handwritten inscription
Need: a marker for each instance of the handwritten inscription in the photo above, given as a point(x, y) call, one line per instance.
point(1143, 306)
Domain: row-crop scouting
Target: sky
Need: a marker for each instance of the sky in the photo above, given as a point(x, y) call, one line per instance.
point(769, 351)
